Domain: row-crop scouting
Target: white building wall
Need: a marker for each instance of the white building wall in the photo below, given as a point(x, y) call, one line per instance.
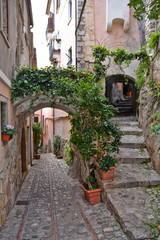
point(66, 29)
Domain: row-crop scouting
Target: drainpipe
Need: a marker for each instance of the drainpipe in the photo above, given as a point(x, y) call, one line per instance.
point(30, 117)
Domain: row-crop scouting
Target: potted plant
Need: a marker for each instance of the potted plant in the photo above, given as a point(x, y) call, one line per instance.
point(7, 132)
point(57, 146)
point(91, 190)
point(106, 167)
point(37, 134)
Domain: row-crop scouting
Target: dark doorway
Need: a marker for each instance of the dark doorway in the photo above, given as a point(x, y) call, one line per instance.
point(122, 93)
point(23, 151)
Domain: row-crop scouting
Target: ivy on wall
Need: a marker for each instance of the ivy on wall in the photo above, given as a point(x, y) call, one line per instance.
point(81, 90)
point(121, 58)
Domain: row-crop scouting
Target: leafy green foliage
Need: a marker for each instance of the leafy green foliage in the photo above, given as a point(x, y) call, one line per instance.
point(68, 153)
point(91, 183)
point(121, 56)
point(155, 128)
point(153, 41)
point(8, 129)
point(152, 10)
point(57, 145)
point(84, 92)
point(106, 162)
point(37, 134)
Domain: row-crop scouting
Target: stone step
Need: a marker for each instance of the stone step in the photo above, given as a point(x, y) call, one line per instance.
point(132, 155)
point(124, 109)
point(124, 118)
point(131, 130)
point(135, 209)
point(132, 141)
point(130, 176)
point(127, 123)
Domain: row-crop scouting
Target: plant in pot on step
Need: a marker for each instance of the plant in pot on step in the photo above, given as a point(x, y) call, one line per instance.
point(7, 132)
point(104, 162)
point(37, 134)
point(106, 167)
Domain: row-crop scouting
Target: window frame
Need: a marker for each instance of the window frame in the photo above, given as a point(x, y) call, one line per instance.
point(58, 3)
point(69, 10)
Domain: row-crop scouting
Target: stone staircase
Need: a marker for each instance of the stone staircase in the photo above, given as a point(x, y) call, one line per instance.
point(124, 106)
point(129, 196)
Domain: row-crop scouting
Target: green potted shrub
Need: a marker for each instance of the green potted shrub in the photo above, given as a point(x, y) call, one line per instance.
point(37, 134)
point(91, 190)
point(7, 132)
point(106, 167)
point(57, 146)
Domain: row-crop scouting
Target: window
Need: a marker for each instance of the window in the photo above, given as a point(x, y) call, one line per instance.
point(58, 2)
point(36, 119)
point(69, 58)
point(3, 114)
point(69, 9)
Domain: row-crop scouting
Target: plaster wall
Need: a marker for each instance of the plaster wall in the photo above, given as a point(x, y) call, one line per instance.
point(120, 32)
point(66, 29)
point(61, 124)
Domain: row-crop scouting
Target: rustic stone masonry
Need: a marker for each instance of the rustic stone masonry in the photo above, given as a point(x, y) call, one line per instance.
point(12, 176)
point(148, 105)
point(85, 35)
point(147, 108)
point(10, 180)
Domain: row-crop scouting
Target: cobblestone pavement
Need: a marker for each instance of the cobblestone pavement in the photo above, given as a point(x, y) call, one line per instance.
point(51, 205)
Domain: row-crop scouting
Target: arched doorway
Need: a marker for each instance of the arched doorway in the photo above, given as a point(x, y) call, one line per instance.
point(122, 93)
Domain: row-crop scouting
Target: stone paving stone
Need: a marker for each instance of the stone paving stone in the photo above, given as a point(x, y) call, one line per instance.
point(131, 175)
point(51, 191)
point(131, 130)
point(132, 141)
point(134, 209)
point(132, 155)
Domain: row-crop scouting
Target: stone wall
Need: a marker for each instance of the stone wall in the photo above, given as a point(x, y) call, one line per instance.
point(85, 35)
point(14, 51)
point(148, 105)
point(10, 179)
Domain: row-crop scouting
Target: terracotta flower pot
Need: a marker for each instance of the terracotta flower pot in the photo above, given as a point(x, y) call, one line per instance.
point(6, 137)
point(106, 176)
point(93, 196)
point(37, 156)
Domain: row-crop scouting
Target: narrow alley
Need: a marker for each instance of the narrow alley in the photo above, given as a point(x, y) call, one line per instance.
point(51, 205)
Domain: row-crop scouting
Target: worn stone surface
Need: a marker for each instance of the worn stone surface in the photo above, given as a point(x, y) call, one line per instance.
point(148, 107)
point(135, 208)
point(132, 155)
point(131, 130)
point(133, 205)
point(132, 141)
point(57, 208)
point(132, 175)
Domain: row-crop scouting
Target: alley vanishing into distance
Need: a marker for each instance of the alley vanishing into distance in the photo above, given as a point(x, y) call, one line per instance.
point(52, 206)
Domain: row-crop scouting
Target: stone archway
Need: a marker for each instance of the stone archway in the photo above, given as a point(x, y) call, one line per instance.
point(23, 105)
point(122, 93)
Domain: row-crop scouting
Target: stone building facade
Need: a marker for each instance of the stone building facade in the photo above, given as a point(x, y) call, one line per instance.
point(16, 49)
point(148, 104)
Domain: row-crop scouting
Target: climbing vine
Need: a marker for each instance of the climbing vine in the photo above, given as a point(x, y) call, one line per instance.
point(152, 9)
point(81, 90)
point(121, 58)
